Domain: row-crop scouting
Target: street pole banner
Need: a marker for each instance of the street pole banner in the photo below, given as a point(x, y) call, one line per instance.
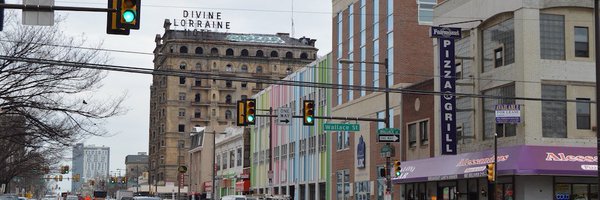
point(446, 36)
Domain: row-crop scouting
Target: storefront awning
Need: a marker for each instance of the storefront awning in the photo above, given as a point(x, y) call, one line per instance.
point(516, 160)
point(242, 186)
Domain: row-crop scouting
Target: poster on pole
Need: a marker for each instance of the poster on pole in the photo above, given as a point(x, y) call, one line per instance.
point(508, 113)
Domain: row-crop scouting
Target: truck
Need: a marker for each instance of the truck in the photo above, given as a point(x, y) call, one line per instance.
point(124, 193)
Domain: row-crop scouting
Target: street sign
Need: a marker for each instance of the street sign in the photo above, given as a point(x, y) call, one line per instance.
point(284, 116)
point(341, 127)
point(387, 151)
point(388, 138)
point(388, 131)
point(43, 18)
point(388, 135)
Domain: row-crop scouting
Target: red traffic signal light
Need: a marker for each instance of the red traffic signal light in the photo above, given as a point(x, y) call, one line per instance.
point(309, 113)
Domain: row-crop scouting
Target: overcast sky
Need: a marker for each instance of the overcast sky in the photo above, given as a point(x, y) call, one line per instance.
point(312, 18)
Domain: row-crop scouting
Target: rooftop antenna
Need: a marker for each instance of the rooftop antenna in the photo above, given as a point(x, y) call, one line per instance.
point(292, 18)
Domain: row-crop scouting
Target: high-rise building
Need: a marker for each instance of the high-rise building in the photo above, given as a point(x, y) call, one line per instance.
point(90, 162)
point(395, 35)
point(179, 103)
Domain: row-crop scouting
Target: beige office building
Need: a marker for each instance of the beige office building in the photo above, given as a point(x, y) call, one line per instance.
point(177, 104)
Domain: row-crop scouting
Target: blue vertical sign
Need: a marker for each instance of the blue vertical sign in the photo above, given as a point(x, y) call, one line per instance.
point(447, 67)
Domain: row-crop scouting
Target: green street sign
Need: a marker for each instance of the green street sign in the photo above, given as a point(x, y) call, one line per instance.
point(388, 131)
point(341, 127)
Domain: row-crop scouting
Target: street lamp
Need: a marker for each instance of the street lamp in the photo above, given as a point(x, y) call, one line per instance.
point(387, 109)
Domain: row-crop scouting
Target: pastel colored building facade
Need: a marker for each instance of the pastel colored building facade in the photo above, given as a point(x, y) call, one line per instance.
point(300, 154)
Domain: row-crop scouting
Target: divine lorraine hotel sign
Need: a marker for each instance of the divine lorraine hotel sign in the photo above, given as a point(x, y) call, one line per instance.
point(195, 20)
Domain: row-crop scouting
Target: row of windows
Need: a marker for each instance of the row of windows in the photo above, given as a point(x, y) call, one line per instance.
point(554, 113)
point(229, 68)
point(230, 52)
point(233, 159)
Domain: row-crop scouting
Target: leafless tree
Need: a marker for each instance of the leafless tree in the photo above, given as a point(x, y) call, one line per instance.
point(47, 107)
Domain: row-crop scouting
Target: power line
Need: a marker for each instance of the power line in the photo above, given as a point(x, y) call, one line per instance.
point(236, 77)
point(355, 69)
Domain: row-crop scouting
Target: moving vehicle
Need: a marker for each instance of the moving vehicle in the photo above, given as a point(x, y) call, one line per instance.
point(9, 197)
point(99, 195)
point(146, 198)
point(238, 197)
point(72, 197)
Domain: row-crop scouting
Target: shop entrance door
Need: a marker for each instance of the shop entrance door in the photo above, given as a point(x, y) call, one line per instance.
point(447, 193)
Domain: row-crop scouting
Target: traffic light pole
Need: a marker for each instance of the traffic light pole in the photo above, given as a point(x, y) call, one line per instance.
point(387, 125)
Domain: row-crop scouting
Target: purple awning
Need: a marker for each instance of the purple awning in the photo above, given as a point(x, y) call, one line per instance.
point(516, 160)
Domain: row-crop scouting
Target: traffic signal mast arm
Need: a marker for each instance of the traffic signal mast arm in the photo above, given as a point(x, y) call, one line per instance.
point(331, 117)
point(34, 7)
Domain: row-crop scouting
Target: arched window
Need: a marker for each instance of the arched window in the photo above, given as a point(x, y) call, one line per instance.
point(244, 52)
point(274, 68)
point(289, 55)
point(214, 65)
point(274, 54)
point(260, 53)
point(198, 66)
point(228, 68)
point(182, 65)
point(229, 52)
point(228, 99)
point(244, 68)
point(199, 50)
point(214, 96)
point(259, 69)
point(228, 84)
point(197, 97)
point(304, 55)
point(228, 114)
point(288, 70)
point(214, 51)
point(183, 49)
point(197, 113)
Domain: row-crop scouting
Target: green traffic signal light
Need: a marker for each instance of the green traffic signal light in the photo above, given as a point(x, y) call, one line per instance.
point(129, 16)
point(398, 173)
point(309, 119)
point(250, 118)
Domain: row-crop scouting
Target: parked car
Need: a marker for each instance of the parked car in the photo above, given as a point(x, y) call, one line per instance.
point(9, 197)
point(146, 198)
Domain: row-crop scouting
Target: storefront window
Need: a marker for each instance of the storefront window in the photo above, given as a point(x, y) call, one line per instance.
point(580, 192)
point(562, 191)
point(577, 191)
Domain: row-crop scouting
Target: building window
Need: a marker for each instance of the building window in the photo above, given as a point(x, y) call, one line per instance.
point(182, 112)
point(229, 52)
point(224, 160)
point(228, 84)
point(197, 97)
point(363, 191)
point(260, 53)
point(583, 114)
point(292, 149)
point(343, 140)
point(304, 55)
point(198, 82)
point(182, 80)
point(214, 51)
point(218, 162)
point(274, 54)
point(494, 37)
point(228, 68)
point(489, 105)
point(343, 184)
point(181, 128)
point(244, 68)
point(426, 11)
point(498, 57)
point(244, 52)
point(412, 135)
point(259, 69)
point(183, 49)
point(214, 112)
point(231, 159)
point(289, 55)
point(182, 65)
point(424, 132)
point(552, 36)
point(239, 156)
point(182, 96)
point(228, 114)
point(582, 42)
point(197, 113)
point(199, 50)
point(244, 85)
point(554, 113)
point(228, 99)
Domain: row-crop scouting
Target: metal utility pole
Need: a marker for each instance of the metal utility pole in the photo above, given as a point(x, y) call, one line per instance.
point(214, 174)
point(597, 56)
point(270, 151)
point(387, 125)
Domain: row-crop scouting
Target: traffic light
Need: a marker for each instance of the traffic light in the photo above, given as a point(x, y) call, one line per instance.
point(397, 168)
point(65, 169)
point(491, 176)
point(250, 112)
point(60, 177)
point(309, 113)
point(112, 19)
point(113, 180)
point(241, 119)
point(129, 14)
